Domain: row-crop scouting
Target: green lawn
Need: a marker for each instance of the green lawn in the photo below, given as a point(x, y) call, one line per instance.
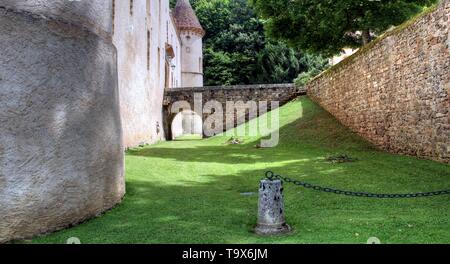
point(189, 191)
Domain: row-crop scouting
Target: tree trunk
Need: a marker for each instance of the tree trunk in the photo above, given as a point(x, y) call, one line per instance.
point(366, 36)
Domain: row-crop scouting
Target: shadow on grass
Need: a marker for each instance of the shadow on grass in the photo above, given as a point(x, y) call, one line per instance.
point(214, 211)
point(313, 136)
point(190, 192)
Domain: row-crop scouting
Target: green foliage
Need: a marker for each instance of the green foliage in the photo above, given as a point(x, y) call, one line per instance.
point(277, 63)
point(303, 78)
point(219, 68)
point(315, 66)
point(234, 37)
point(328, 26)
point(236, 50)
point(396, 30)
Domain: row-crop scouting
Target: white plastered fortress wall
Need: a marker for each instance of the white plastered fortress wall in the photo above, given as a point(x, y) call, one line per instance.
point(80, 81)
point(148, 61)
point(61, 152)
point(156, 51)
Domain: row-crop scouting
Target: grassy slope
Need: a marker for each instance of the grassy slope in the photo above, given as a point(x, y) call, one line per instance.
point(189, 191)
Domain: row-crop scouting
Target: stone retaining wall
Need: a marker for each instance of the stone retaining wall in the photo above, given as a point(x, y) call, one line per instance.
point(282, 93)
point(396, 92)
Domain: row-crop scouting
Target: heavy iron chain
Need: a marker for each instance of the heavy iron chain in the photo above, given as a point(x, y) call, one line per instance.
point(272, 176)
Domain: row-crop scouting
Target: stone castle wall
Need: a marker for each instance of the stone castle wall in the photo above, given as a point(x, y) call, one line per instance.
point(396, 93)
point(61, 156)
point(239, 95)
point(142, 31)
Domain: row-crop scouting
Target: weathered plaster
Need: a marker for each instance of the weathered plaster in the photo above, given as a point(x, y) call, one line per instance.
point(192, 63)
point(61, 156)
point(142, 78)
point(94, 15)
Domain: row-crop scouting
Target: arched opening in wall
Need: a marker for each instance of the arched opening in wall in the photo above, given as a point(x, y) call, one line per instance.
point(187, 125)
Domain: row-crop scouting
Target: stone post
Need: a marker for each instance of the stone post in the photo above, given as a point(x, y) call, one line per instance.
point(271, 219)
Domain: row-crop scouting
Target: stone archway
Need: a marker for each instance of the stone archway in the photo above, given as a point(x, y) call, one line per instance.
point(170, 114)
point(187, 122)
point(244, 95)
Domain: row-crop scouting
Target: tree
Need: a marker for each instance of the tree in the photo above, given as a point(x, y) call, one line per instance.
point(236, 49)
point(219, 68)
point(234, 37)
point(328, 26)
point(314, 65)
point(277, 62)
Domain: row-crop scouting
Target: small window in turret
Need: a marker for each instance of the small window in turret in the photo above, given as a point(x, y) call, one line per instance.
point(131, 7)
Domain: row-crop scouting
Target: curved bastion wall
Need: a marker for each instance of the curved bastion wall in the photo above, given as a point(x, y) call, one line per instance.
point(61, 156)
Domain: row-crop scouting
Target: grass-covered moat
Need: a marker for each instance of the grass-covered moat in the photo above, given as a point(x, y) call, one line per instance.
point(190, 191)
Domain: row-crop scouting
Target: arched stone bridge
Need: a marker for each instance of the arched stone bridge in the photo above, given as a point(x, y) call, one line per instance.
point(234, 104)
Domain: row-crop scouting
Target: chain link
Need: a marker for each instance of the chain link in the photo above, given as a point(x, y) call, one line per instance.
point(272, 176)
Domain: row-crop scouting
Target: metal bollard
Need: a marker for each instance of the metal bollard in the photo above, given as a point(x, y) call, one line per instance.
point(271, 219)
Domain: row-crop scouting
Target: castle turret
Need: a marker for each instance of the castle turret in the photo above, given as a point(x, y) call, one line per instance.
point(191, 35)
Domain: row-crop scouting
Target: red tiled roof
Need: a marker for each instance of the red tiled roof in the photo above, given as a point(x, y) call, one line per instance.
point(185, 17)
